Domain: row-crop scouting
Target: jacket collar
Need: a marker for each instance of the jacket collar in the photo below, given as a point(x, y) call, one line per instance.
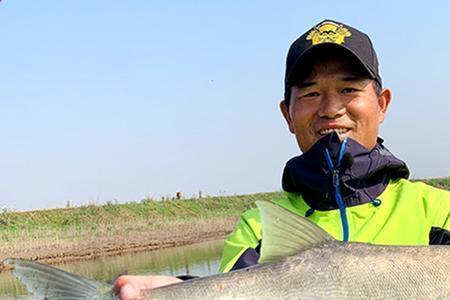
point(363, 174)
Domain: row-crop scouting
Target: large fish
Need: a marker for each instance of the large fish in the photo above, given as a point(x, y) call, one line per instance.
point(299, 260)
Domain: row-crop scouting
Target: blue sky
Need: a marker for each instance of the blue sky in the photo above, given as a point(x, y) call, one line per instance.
point(119, 100)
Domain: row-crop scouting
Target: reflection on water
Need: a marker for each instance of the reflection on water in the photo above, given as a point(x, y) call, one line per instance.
point(199, 259)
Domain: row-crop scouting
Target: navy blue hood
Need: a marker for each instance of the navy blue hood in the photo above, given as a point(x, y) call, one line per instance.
point(363, 174)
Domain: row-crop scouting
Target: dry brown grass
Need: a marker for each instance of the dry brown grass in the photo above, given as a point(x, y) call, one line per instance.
point(58, 246)
point(57, 235)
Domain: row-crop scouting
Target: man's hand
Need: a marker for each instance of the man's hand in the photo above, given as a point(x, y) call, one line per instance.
point(129, 287)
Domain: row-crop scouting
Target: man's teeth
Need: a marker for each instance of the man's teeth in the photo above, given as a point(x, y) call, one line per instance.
point(337, 130)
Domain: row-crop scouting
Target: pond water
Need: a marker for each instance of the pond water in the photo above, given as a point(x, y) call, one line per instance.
point(198, 259)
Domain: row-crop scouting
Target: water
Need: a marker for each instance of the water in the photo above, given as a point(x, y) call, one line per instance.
point(198, 259)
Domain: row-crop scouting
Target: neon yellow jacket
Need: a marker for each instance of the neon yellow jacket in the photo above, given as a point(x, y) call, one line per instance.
point(410, 213)
point(355, 194)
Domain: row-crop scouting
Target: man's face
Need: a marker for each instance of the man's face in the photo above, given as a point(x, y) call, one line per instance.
point(335, 96)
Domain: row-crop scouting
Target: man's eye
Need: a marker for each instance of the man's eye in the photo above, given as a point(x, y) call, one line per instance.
point(310, 95)
point(349, 90)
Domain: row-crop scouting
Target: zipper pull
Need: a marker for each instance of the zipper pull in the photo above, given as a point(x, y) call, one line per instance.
point(335, 178)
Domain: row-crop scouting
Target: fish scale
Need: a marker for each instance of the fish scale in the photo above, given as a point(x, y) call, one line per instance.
point(335, 271)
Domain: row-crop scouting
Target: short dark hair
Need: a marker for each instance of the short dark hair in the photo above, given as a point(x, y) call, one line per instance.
point(304, 70)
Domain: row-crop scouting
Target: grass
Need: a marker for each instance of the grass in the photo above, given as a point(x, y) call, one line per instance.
point(147, 213)
point(67, 223)
point(84, 232)
point(442, 183)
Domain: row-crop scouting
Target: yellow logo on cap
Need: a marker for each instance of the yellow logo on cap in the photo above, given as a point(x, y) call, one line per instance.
point(328, 32)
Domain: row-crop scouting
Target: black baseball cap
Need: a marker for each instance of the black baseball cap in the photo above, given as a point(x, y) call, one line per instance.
point(332, 34)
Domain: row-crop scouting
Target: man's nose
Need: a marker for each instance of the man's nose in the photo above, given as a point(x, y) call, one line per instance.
point(331, 106)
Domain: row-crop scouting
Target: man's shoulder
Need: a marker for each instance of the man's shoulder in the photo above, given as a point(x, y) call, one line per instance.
point(417, 197)
point(419, 188)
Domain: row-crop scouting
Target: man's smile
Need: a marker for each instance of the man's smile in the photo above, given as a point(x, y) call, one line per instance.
point(340, 130)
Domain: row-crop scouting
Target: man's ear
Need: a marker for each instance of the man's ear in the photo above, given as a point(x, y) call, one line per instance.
point(383, 102)
point(285, 111)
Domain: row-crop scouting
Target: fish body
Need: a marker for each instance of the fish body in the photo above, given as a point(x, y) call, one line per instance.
point(333, 271)
point(299, 260)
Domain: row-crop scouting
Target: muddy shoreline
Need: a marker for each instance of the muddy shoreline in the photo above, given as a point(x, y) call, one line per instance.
point(84, 247)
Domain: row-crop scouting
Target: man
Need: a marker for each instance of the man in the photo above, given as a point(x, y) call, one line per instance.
point(345, 181)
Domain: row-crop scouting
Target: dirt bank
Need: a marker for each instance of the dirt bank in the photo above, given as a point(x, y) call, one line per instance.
point(113, 242)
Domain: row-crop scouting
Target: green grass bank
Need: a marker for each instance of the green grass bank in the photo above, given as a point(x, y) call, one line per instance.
point(86, 232)
point(153, 213)
point(442, 183)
